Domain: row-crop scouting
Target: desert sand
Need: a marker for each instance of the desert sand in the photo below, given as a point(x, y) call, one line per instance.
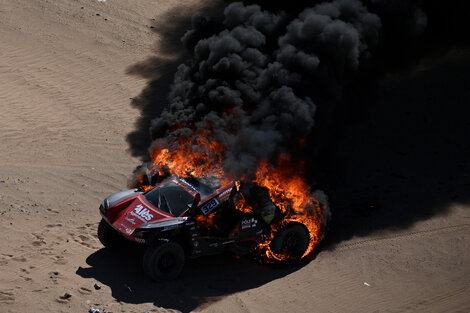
point(66, 84)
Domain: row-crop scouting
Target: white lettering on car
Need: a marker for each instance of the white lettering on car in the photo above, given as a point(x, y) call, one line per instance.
point(225, 192)
point(188, 184)
point(142, 213)
point(127, 230)
point(249, 223)
point(130, 220)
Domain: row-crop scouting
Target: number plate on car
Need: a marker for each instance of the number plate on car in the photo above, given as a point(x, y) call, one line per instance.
point(209, 206)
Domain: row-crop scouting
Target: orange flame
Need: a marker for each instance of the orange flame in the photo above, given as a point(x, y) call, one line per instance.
point(204, 222)
point(200, 157)
point(195, 156)
point(290, 193)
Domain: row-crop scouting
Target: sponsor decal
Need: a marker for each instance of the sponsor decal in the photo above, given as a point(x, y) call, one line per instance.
point(127, 230)
point(188, 184)
point(209, 206)
point(250, 223)
point(130, 220)
point(142, 213)
point(225, 192)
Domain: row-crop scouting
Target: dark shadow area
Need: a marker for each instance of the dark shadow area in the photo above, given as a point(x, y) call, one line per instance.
point(395, 149)
point(203, 281)
point(402, 152)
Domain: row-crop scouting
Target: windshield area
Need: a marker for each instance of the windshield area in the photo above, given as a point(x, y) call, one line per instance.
point(170, 197)
point(204, 188)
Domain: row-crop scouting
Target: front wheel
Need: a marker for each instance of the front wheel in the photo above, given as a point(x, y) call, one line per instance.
point(163, 260)
point(291, 240)
point(108, 236)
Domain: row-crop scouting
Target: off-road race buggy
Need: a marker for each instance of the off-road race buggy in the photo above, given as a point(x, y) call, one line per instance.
point(185, 217)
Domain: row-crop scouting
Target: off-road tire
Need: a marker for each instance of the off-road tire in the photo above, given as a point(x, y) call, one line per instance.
point(164, 260)
point(293, 239)
point(108, 236)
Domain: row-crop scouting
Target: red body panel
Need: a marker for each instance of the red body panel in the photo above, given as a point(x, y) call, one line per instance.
point(129, 214)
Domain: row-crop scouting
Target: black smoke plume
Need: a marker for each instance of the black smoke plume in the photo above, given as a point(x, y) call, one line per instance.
point(255, 77)
point(266, 78)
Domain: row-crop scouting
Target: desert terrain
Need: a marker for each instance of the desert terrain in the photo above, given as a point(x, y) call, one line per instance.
point(69, 71)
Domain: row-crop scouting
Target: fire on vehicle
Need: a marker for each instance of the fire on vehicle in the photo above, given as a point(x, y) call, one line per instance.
point(187, 217)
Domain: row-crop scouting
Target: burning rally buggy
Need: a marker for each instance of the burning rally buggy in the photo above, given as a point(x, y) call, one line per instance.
point(186, 217)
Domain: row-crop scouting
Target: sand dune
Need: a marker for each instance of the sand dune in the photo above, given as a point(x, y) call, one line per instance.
point(65, 111)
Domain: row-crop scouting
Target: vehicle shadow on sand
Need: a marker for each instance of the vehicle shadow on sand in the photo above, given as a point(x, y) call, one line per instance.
point(405, 156)
point(203, 281)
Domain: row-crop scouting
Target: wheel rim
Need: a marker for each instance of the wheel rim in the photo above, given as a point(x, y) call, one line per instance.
point(291, 242)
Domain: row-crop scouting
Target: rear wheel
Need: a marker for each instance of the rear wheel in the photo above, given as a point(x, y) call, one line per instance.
point(293, 240)
point(108, 236)
point(163, 260)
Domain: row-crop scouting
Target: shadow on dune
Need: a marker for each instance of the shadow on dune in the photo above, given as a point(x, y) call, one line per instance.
point(203, 281)
point(402, 153)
